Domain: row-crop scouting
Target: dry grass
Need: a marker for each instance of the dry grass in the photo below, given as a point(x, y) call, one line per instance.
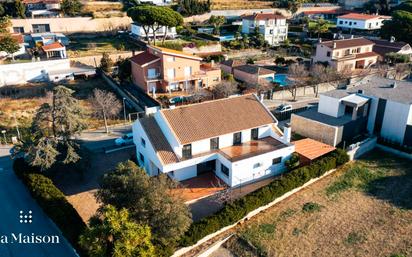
point(373, 219)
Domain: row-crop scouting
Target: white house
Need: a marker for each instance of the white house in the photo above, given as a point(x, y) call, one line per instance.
point(235, 138)
point(361, 21)
point(272, 26)
point(22, 50)
point(139, 32)
point(157, 2)
point(377, 106)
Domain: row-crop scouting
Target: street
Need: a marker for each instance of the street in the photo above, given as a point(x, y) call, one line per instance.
point(15, 198)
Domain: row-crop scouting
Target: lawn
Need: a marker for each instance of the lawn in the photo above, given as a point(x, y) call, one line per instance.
point(21, 106)
point(365, 209)
point(87, 46)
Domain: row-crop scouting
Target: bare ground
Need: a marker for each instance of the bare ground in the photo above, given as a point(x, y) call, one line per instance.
point(372, 220)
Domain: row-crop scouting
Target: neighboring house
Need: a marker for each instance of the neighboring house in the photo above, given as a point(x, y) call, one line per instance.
point(383, 47)
point(54, 50)
point(253, 74)
point(361, 21)
point(228, 65)
point(350, 54)
point(235, 138)
point(273, 26)
point(139, 32)
point(40, 39)
point(157, 2)
point(20, 39)
point(164, 70)
point(42, 8)
point(378, 106)
point(329, 15)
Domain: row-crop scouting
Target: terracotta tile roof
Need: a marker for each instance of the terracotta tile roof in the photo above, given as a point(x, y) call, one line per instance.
point(52, 46)
point(175, 52)
point(219, 117)
point(233, 63)
point(159, 142)
point(312, 149)
point(361, 16)
point(347, 43)
point(18, 37)
point(253, 69)
point(144, 58)
point(263, 16)
point(364, 55)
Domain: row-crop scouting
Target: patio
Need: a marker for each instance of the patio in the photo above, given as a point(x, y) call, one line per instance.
point(199, 187)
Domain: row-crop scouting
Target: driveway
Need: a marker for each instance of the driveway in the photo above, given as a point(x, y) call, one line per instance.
point(14, 198)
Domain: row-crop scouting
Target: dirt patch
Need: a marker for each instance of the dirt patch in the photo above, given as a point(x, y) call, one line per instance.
point(362, 220)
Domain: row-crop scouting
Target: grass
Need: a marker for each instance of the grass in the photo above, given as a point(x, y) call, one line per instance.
point(371, 217)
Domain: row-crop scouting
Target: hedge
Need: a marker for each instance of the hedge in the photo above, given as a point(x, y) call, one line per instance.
point(233, 212)
point(52, 201)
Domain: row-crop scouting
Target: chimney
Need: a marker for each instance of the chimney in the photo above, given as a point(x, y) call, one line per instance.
point(320, 40)
point(392, 40)
point(261, 96)
point(287, 132)
point(212, 63)
point(394, 85)
point(334, 45)
point(352, 37)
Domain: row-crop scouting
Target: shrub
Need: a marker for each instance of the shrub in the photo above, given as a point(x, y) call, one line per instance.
point(52, 201)
point(233, 212)
point(293, 162)
point(311, 207)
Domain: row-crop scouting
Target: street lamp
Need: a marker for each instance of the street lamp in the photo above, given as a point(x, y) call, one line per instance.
point(4, 136)
point(124, 109)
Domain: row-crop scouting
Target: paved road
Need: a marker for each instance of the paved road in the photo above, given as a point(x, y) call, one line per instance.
point(14, 198)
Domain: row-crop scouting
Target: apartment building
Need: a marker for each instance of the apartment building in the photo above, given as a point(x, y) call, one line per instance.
point(236, 139)
point(361, 21)
point(346, 54)
point(273, 26)
point(164, 70)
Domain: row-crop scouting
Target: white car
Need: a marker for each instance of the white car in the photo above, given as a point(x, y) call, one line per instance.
point(124, 140)
point(283, 108)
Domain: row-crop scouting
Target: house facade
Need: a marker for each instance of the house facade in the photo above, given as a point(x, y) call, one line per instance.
point(377, 106)
point(361, 21)
point(240, 145)
point(383, 47)
point(346, 54)
point(42, 8)
point(273, 26)
point(164, 70)
point(253, 74)
point(138, 31)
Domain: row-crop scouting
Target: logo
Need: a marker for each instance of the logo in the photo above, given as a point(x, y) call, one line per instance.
point(26, 217)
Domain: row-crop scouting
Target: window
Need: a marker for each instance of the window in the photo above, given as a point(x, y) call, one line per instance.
point(271, 31)
point(143, 142)
point(254, 135)
point(276, 160)
point(237, 138)
point(18, 30)
point(214, 143)
point(187, 151)
point(41, 28)
point(141, 157)
point(340, 22)
point(257, 165)
point(328, 53)
point(225, 170)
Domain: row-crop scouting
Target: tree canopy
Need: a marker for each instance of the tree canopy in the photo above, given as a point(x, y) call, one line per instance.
point(8, 44)
point(217, 22)
point(401, 24)
point(193, 7)
point(71, 7)
point(113, 234)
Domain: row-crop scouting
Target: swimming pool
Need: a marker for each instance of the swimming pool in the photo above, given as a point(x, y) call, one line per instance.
point(226, 38)
point(281, 79)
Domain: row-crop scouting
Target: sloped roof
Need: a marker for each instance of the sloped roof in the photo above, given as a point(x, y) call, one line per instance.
point(312, 149)
point(263, 16)
point(347, 43)
point(159, 142)
point(233, 63)
point(362, 16)
point(52, 46)
point(175, 52)
point(253, 69)
point(219, 117)
point(382, 47)
point(41, 1)
point(144, 58)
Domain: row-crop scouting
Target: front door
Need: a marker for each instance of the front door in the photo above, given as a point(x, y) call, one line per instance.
point(206, 167)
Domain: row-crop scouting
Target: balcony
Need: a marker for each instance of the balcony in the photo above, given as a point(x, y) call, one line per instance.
point(152, 77)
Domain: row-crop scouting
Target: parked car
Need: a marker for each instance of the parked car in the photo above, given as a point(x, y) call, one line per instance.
point(283, 108)
point(124, 140)
point(180, 99)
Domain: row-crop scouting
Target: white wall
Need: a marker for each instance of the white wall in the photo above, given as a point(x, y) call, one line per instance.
point(395, 120)
point(375, 23)
point(139, 31)
point(330, 106)
point(20, 73)
point(373, 108)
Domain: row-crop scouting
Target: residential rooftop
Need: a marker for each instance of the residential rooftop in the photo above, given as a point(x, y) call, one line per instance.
point(380, 88)
point(263, 16)
point(362, 16)
point(218, 117)
point(347, 43)
point(254, 69)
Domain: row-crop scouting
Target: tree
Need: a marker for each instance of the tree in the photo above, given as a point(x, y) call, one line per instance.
point(113, 234)
point(20, 9)
point(71, 7)
point(105, 105)
point(217, 21)
point(400, 26)
point(224, 89)
point(106, 63)
point(148, 199)
point(193, 7)
point(8, 44)
point(296, 75)
point(125, 69)
point(321, 26)
point(2, 10)
point(53, 129)
point(173, 19)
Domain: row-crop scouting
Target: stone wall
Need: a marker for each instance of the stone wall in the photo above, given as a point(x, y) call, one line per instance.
point(94, 60)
